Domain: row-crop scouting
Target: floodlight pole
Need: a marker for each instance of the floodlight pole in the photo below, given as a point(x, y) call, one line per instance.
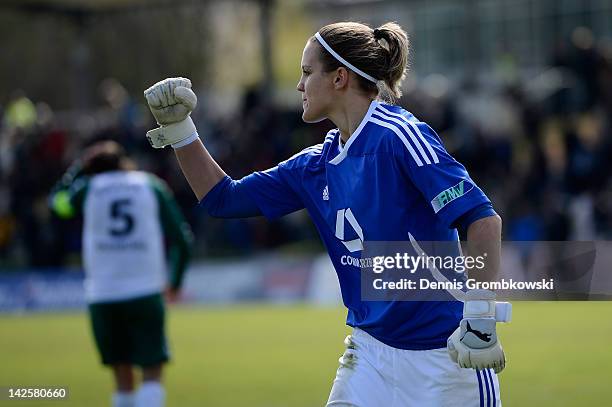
point(266, 8)
point(82, 91)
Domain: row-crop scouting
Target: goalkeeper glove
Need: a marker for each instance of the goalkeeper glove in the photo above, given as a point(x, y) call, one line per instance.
point(171, 101)
point(475, 344)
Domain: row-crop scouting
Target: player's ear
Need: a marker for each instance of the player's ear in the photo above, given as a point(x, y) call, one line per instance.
point(340, 78)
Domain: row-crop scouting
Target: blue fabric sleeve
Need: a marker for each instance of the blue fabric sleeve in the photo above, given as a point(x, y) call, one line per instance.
point(482, 211)
point(274, 191)
point(228, 199)
point(444, 183)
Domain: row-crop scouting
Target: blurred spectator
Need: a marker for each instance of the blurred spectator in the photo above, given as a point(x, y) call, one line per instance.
point(20, 112)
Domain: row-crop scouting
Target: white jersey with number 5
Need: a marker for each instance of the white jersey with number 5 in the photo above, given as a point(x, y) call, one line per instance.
point(123, 248)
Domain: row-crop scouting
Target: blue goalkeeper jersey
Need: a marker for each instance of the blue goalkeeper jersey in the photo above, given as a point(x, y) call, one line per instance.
point(391, 179)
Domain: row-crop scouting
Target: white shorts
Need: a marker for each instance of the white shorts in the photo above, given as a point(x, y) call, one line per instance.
point(372, 374)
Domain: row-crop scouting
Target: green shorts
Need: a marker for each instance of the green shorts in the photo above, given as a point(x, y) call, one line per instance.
point(130, 331)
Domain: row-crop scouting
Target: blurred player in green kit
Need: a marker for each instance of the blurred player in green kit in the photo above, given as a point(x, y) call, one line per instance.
point(128, 215)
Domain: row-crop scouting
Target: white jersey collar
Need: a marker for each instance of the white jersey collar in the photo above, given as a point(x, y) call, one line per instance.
point(344, 149)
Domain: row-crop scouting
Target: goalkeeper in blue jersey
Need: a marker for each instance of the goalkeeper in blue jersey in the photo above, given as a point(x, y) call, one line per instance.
point(127, 217)
point(381, 175)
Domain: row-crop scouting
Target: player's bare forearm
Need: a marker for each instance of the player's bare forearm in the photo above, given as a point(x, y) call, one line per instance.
point(475, 343)
point(484, 236)
point(200, 169)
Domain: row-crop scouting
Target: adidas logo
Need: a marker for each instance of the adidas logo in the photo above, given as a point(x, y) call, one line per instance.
point(326, 193)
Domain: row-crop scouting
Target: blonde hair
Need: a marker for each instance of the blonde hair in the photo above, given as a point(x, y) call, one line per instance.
point(381, 53)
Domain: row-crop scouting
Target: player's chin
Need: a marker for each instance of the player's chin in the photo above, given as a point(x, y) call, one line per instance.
point(309, 117)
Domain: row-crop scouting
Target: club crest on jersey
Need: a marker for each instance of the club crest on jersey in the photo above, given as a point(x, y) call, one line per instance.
point(326, 193)
point(353, 245)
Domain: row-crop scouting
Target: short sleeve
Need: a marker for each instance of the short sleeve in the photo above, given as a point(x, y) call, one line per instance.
point(443, 182)
point(273, 191)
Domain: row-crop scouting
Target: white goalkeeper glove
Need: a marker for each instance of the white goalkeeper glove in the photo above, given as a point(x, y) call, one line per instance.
point(171, 101)
point(475, 344)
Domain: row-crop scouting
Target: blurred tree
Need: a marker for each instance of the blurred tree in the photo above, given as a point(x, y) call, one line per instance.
point(62, 53)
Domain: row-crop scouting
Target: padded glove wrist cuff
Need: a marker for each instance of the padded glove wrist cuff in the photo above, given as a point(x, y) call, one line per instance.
point(172, 133)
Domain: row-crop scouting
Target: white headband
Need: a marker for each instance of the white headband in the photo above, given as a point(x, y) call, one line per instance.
point(344, 61)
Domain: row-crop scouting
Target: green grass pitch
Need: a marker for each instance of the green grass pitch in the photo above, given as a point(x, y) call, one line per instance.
point(559, 354)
